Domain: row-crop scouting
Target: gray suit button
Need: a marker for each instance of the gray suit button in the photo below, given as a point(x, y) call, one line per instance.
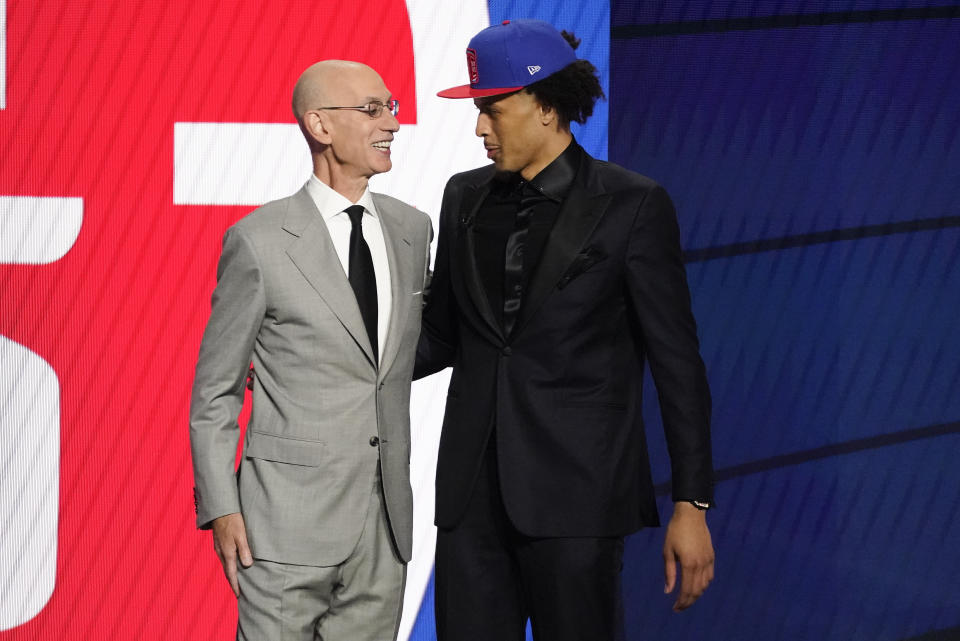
point(506, 351)
point(374, 441)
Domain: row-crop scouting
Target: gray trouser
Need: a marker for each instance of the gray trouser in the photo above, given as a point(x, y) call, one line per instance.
point(357, 600)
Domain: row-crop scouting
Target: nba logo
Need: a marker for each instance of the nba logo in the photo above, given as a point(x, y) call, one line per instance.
point(472, 66)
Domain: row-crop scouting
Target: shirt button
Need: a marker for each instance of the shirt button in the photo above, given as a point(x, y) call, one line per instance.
point(374, 441)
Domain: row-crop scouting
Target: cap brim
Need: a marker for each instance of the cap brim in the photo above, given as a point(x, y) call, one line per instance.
point(466, 91)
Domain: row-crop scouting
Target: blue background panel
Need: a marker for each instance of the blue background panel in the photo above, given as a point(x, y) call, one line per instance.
point(770, 133)
point(660, 12)
point(833, 359)
point(820, 345)
point(852, 547)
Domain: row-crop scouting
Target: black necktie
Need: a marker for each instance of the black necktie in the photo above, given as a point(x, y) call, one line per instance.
point(515, 264)
point(361, 275)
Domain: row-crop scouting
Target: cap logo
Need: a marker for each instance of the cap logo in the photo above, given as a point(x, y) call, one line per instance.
point(472, 66)
point(533, 69)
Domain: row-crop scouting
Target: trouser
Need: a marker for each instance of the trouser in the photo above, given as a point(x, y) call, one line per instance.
point(490, 578)
point(359, 599)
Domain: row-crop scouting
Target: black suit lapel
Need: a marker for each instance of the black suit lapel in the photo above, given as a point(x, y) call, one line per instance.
point(472, 199)
point(578, 216)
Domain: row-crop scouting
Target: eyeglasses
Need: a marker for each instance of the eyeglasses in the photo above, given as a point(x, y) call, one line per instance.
point(374, 108)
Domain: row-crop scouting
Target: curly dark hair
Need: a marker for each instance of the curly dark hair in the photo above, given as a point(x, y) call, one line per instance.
point(572, 91)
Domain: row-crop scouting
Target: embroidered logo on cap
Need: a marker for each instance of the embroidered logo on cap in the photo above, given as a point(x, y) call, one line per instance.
point(472, 66)
point(533, 69)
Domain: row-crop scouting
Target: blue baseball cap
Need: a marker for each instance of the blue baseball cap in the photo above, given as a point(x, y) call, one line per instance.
point(511, 55)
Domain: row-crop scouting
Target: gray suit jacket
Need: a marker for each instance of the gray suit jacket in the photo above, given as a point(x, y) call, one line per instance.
point(310, 457)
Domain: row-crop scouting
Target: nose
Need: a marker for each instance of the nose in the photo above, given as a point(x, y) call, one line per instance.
point(483, 125)
point(389, 122)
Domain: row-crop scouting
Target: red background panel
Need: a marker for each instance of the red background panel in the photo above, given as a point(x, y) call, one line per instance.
point(93, 91)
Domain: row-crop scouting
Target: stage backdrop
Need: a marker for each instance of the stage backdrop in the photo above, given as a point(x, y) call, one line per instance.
point(813, 153)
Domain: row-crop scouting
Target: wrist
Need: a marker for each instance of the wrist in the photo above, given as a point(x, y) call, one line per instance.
point(688, 507)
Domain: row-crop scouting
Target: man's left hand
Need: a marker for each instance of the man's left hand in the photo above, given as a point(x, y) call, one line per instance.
point(688, 543)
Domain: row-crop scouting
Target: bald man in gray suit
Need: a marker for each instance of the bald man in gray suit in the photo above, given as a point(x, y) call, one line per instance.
point(322, 291)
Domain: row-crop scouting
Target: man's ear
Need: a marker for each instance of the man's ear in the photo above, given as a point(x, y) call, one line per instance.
point(316, 125)
point(548, 115)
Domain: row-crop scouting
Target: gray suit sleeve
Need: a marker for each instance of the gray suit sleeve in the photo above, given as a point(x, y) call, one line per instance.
point(427, 270)
point(237, 311)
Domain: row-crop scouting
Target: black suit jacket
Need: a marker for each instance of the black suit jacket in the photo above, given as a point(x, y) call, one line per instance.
point(563, 390)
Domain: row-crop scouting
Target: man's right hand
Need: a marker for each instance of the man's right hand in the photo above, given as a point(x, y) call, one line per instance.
point(230, 542)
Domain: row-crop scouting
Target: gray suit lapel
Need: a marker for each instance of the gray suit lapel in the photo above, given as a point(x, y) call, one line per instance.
point(399, 257)
point(315, 256)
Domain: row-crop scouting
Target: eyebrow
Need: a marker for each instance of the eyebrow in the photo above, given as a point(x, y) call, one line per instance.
point(377, 99)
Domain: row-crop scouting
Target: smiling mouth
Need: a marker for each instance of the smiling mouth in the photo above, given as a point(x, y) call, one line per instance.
point(383, 146)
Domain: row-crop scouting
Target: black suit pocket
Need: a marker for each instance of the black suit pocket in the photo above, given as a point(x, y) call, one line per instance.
point(583, 261)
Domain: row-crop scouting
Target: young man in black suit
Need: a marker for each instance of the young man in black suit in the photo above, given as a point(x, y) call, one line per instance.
point(557, 277)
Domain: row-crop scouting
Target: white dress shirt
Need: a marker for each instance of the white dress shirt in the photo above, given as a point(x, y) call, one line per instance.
point(332, 206)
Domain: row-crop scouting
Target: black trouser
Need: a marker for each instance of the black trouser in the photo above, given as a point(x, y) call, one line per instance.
point(490, 578)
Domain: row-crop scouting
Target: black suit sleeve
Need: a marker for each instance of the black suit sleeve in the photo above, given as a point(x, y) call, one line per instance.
point(657, 283)
point(438, 334)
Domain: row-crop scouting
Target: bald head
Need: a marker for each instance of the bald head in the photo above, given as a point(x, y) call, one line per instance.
point(328, 83)
point(347, 143)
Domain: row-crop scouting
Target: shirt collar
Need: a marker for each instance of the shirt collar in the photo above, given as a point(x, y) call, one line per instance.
point(331, 203)
point(554, 180)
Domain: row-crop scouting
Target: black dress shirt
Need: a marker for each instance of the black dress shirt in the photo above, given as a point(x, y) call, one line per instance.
point(497, 219)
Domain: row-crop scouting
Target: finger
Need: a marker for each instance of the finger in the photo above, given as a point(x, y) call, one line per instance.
point(227, 551)
point(669, 572)
point(244, 549)
point(230, 569)
point(687, 588)
point(698, 585)
point(706, 575)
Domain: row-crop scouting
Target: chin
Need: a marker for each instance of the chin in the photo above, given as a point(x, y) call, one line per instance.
point(507, 164)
